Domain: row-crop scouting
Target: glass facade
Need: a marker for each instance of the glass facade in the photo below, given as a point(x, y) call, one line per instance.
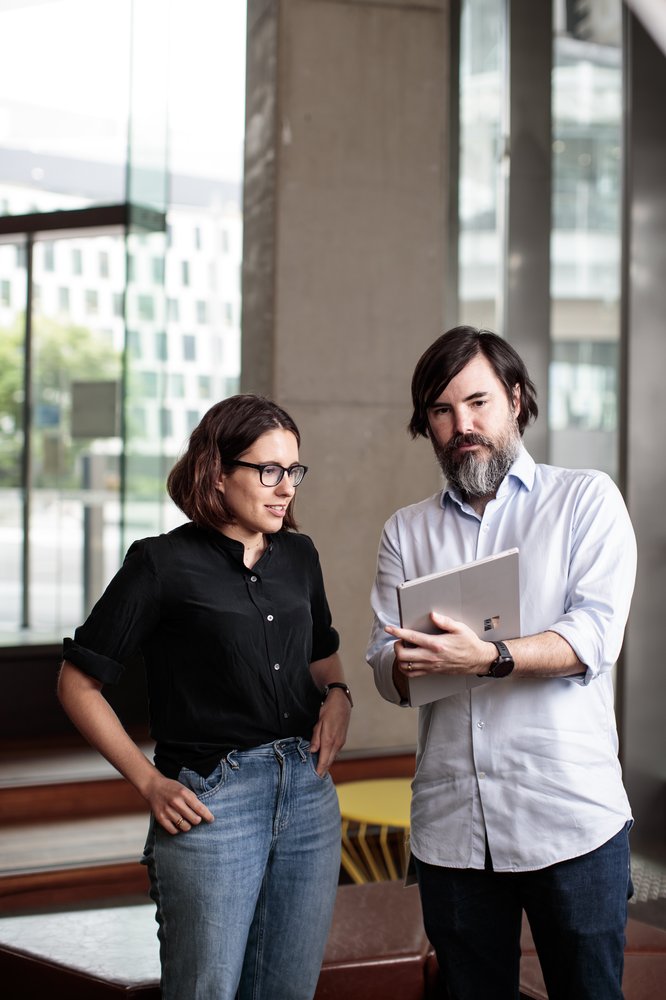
point(113, 341)
point(585, 238)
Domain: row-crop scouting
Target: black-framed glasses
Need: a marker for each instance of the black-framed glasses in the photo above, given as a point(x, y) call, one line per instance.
point(271, 474)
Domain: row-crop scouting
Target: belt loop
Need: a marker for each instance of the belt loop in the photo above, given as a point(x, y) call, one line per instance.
point(277, 750)
point(231, 760)
point(301, 752)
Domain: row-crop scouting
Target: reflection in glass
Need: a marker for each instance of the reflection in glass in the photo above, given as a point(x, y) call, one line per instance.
point(481, 90)
point(64, 98)
point(99, 304)
point(12, 304)
point(585, 242)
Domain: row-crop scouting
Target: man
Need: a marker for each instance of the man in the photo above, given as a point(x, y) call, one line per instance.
point(517, 803)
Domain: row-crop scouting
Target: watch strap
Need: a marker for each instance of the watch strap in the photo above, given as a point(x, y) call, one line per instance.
point(338, 684)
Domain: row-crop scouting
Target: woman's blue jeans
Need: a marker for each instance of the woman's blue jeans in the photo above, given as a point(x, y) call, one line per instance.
point(244, 904)
point(577, 912)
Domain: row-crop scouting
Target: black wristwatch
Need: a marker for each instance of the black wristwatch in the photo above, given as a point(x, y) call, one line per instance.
point(503, 665)
point(337, 684)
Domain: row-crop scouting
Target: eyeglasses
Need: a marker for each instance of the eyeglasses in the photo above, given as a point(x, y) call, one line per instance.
point(271, 475)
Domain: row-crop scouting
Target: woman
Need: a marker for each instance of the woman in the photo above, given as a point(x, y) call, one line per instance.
point(248, 708)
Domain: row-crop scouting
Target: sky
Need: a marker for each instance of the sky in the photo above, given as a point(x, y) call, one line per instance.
point(65, 71)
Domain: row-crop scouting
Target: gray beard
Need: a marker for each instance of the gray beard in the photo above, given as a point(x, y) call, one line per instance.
point(473, 475)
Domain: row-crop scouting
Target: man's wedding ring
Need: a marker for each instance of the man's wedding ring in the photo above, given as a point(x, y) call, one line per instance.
point(179, 822)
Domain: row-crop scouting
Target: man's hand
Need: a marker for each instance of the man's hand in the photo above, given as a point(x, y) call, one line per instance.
point(454, 650)
point(330, 732)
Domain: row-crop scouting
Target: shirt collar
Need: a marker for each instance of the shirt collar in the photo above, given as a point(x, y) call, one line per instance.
point(522, 471)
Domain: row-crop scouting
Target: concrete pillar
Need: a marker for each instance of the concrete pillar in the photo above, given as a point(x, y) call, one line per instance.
point(643, 682)
point(344, 274)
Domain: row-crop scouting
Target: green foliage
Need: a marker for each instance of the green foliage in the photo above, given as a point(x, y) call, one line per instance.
point(61, 355)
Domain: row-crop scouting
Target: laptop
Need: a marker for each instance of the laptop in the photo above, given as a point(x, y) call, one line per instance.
point(484, 594)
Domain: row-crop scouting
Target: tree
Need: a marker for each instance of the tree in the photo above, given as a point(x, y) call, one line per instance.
point(61, 354)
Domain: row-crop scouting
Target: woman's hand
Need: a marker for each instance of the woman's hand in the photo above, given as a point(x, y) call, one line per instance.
point(330, 732)
point(174, 806)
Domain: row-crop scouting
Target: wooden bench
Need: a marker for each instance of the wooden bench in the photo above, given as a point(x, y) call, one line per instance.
point(377, 950)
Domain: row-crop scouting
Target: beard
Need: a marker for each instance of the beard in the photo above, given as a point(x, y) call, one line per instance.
point(476, 475)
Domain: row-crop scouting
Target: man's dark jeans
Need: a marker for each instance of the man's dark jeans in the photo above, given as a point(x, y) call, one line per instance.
point(577, 911)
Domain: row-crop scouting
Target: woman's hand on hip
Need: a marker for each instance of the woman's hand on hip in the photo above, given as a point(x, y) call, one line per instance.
point(174, 806)
point(330, 732)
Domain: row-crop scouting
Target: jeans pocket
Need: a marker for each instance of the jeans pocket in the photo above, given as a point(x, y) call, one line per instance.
point(204, 787)
point(313, 759)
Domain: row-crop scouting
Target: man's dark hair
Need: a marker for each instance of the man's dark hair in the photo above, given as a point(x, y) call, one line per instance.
point(447, 357)
point(225, 432)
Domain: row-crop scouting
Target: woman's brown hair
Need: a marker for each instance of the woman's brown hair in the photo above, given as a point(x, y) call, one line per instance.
point(226, 431)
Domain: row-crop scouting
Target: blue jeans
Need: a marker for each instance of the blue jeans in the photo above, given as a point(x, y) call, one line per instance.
point(244, 904)
point(577, 911)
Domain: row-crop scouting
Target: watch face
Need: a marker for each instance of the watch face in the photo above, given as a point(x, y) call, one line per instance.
point(502, 666)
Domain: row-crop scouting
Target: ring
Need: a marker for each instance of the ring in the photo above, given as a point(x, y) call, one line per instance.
point(179, 822)
point(410, 665)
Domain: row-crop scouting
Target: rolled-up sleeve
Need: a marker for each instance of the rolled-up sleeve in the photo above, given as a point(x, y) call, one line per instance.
point(125, 614)
point(384, 601)
point(602, 572)
point(325, 639)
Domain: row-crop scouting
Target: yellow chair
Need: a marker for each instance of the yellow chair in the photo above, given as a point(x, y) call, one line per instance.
point(373, 812)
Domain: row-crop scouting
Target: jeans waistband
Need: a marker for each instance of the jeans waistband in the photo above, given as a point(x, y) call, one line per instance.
point(277, 749)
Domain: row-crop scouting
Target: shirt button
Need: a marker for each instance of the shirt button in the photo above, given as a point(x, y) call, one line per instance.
point(285, 715)
point(276, 666)
point(269, 618)
point(253, 579)
point(480, 724)
point(482, 775)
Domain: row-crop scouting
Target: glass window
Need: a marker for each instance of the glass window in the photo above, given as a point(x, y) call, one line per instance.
point(166, 422)
point(481, 96)
point(202, 311)
point(71, 142)
point(189, 347)
point(173, 310)
point(192, 418)
point(146, 307)
point(205, 384)
point(148, 384)
point(157, 264)
point(49, 257)
point(585, 242)
point(67, 119)
point(161, 346)
point(134, 345)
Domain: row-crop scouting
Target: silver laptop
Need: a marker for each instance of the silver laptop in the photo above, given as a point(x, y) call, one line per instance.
point(484, 594)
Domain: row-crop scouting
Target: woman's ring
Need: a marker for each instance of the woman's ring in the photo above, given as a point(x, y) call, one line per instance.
point(410, 665)
point(179, 822)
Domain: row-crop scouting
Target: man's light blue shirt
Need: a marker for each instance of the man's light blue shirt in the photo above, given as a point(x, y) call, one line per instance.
point(531, 763)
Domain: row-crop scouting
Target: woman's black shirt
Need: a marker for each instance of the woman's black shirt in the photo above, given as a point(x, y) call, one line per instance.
point(227, 649)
